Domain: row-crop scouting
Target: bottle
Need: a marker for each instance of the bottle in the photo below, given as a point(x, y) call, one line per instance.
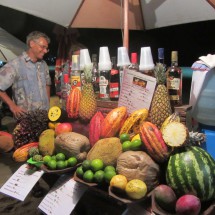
point(65, 90)
point(174, 81)
point(75, 78)
point(161, 56)
point(134, 65)
point(114, 81)
point(95, 78)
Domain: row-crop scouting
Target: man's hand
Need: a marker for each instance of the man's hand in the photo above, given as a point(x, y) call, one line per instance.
point(17, 111)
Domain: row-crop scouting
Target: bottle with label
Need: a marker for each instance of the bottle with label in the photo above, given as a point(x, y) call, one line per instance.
point(95, 77)
point(114, 81)
point(104, 73)
point(134, 64)
point(75, 78)
point(161, 56)
point(174, 81)
point(65, 90)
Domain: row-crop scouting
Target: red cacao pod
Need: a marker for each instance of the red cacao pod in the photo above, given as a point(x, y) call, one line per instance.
point(95, 127)
point(113, 122)
point(73, 103)
point(153, 142)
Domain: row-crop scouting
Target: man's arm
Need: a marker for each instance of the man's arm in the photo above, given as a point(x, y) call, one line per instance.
point(48, 89)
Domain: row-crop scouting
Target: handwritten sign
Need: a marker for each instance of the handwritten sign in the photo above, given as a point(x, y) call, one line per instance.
point(136, 91)
point(63, 197)
point(21, 182)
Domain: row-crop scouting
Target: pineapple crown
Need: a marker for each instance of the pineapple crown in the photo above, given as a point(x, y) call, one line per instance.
point(159, 72)
point(88, 73)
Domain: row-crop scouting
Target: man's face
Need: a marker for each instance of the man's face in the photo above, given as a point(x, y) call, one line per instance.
point(39, 48)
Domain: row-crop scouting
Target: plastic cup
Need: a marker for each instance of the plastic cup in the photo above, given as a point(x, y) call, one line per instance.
point(122, 57)
point(75, 62)
point(104, 59)
point(146, 61)
point(84, 58)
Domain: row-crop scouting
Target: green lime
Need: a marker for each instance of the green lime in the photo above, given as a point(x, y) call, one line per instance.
point(66, 163)
point(53, 157)
point(80, 172)
point(108, 175)
point(60, 157)
point(96, 164)
point(72, 161)
point(126, 146)
point(61, 165)
point(52, 164)
point(107, 168)
point(99, 176)
point(46, 159)
point(88, 176)
point(136, 145)
point(124, 137)
point(86, 164)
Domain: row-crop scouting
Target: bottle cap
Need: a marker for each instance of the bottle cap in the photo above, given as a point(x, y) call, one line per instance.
point(75, 62)
point(133, 57)
point(66, 78)
point(122, 57)
point(84, 58)
point(146, 61)
point(104, 59)
point(160, 53)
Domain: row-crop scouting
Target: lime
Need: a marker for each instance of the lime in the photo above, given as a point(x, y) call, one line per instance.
point(126, 146)
point(66, 163)
point(52, 164)
point(96, 164)
point(80, 172)
point(60, 156)
point(53, 157)
point(88, 176)
point(99, 176)
point(124, 137)
point(86, 164)
point(72, 161)
point(136, 145)
point(46, 159)
point(108, 175)
point(107, 168)
point(61, 165)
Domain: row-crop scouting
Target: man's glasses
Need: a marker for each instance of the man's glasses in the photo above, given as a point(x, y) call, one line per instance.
point(42, 46)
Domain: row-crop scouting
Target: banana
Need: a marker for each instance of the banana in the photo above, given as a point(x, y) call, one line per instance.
point(135, 117)
point(172, 118)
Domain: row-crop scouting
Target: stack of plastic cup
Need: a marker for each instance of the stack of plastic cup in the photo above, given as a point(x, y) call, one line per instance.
point(146, 60)
point(84, 58)
point(122, 57)
point(104, 59)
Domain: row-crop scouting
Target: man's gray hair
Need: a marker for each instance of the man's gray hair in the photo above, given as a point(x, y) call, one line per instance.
point(36, 35)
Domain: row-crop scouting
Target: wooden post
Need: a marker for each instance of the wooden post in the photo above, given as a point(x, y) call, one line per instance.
point(126, 30)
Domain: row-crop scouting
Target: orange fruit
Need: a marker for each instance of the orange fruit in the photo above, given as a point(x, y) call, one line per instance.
point(118, 182)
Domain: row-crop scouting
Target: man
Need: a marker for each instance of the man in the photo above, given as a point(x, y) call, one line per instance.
point(28, 75)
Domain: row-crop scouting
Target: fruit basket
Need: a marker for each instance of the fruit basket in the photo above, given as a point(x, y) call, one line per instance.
point(76, 178)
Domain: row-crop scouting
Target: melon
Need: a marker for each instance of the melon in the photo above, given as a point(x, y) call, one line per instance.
point(192, 171)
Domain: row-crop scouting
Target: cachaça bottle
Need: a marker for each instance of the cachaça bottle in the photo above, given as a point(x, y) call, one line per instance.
point(95, 75)
point(75, 78)
point(134, 64)
point(174, 81)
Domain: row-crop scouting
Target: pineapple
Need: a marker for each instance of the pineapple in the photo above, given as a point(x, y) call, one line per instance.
point(160, 107)
point(88, 105)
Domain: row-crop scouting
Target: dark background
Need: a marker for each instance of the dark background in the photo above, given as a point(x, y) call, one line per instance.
point(190, 40)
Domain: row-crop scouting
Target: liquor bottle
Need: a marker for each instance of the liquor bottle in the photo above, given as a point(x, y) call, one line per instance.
point(134, 65)
point(95, 78)
point(114, 81)
point(65, 90)
point(161, 56)
point(174, 81)
point(75, 78)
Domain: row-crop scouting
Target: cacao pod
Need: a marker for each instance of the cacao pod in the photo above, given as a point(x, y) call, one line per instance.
point(21, 154)
point(113, 122)
point(95, 127)
point(73, 103)
point(153, 142)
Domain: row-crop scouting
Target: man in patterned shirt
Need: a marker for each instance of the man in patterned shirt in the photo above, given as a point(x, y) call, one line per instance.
point(28, 75)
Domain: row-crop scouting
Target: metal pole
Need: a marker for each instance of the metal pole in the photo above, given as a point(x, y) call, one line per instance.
point(126, 30)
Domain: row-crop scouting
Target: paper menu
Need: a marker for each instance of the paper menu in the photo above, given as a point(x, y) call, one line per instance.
point(63, 197)
point(21, 182)
point(136, 91)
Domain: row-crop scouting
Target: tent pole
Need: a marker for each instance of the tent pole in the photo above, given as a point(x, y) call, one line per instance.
point(126, 30)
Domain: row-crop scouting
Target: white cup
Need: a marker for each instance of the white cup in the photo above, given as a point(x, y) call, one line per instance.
point(84, 58)
point(146, 61)
point(122, 57)
point(104, 59)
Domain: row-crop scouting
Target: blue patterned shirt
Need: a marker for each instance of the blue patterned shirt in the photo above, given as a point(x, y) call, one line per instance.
point(28, 81)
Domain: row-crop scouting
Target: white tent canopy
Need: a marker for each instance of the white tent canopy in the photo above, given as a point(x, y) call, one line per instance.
point(156, 14)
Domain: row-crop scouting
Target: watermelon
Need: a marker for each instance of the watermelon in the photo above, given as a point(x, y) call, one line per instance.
point(192, 171)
